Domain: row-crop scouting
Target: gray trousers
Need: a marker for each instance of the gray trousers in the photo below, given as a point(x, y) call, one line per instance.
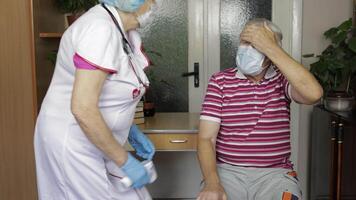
point(243, 183)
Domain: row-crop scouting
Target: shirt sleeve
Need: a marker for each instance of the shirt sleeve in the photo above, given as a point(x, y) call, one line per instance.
point(99, 44)
point(212, 105)
point(286, 88)
point(81, 63)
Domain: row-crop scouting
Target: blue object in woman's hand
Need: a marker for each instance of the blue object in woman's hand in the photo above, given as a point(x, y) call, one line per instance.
point(140, 142)
point(136, 172)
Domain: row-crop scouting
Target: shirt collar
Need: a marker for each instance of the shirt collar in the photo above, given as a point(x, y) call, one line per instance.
point(270, 73)
point(117, 17)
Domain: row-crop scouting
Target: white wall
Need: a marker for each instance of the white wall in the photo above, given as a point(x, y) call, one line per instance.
point(318, 16)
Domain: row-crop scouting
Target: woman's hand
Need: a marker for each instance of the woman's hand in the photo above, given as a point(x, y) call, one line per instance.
point(212, 191)
point(260, 37)
point(135, 171)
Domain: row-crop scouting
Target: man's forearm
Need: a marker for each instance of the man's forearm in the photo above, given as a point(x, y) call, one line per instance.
point(297, 75)
point(207, 160)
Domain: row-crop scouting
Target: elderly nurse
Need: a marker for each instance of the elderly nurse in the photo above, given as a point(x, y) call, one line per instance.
point(89, 108)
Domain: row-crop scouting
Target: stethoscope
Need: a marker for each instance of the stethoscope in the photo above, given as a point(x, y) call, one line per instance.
point(127, 46)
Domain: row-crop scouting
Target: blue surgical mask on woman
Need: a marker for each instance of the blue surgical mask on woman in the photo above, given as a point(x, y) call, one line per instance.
point(249, 60)
point(124, 5)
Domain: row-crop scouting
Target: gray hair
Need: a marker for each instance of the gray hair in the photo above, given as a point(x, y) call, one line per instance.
point(274, 28)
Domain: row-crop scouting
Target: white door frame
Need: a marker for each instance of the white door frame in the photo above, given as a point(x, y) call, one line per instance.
point(196, 53)
point(287, 14)
point(204, 46)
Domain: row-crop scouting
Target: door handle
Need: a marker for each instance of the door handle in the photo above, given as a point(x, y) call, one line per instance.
point(195, 74)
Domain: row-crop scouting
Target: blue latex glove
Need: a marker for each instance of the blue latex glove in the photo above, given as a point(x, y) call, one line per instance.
point(136, 172)
point(142, 145)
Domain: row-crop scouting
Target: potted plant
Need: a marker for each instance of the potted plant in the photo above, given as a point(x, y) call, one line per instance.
point(336, 67)
point(149, 108)
point(160, 88)
point(74, 8)
point(148, 99)
point(52, 57)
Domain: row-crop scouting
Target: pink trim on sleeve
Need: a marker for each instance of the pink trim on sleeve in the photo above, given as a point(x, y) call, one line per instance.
point(82, 63)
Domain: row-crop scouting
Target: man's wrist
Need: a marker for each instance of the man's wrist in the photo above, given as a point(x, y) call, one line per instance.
point(273, 51)
point(212, 180)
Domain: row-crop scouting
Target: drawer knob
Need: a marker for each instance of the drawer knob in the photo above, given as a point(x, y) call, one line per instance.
point(178, 141)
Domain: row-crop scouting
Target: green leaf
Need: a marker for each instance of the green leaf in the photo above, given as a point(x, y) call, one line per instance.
point(346, 25)
point(334, 68)
point(338, 60)
point(52, 57)
point(353, 29)
point(331, 33)
point(352, 64)
point(328, 50)
point(315, 66)
point(352, 44)
point(324, 80)
point(338, 53)
point(338, 80)
point(75, 6)
point(349, 53)
point(339, 38)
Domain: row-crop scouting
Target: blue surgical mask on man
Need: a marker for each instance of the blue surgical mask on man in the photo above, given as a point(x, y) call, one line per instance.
point(124, 5)
point(249, 60)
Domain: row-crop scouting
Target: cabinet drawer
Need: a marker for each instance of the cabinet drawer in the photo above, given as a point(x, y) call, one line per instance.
point(174, 141)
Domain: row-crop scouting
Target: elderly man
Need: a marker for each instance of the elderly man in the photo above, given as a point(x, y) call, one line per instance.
point(244, 137)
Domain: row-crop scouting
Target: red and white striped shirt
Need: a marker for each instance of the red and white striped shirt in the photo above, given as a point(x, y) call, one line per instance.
point(254, 118)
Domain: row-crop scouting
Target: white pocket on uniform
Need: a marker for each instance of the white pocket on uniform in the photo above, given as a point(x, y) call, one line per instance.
point(115, 174)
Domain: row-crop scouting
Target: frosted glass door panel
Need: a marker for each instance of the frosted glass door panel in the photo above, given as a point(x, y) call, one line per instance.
point(233, 17)
point(166, 43)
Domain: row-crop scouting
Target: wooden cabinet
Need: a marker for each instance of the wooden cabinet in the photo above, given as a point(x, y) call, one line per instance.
point(17, 101)
point(175, 138)
point(172, 131)
point(333, 155)
point(174, 142)
point(25, 73)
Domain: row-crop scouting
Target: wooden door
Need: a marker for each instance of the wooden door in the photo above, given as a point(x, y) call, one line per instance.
point(17, 105)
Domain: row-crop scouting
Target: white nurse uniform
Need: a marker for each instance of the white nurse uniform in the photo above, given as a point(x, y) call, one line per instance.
point(68, 165)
